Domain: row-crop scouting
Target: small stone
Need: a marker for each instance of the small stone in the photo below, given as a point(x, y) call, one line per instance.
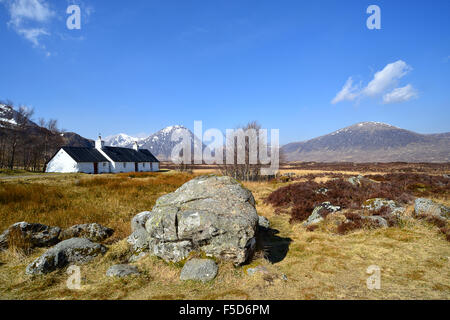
point(199, 270)
point(323, 191)
point(263, 222)
point(258, 269)
point(320, 212)
point(376, 204)
point(423, 206)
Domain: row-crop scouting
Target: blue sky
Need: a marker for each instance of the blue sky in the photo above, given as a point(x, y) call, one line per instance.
point(304, 67)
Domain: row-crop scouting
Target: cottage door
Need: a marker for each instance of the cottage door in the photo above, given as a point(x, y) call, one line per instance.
point(136, 167)
point(95, 168)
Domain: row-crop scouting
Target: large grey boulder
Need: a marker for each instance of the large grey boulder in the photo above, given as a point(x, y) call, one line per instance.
point(424, 206)
point(320, 212)
point(30, 234)
point(122, 270)
point(256, 270)
point(94, 232)
point(72, 251)
point(199, 270)
point(212, 214)
point(376, 204)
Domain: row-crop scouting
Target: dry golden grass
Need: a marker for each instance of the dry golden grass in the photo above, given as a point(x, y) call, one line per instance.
point(414, 258)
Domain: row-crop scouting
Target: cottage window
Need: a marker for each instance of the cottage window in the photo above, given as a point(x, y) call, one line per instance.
point(143, 164)
point(124, 165)
point(104, 164)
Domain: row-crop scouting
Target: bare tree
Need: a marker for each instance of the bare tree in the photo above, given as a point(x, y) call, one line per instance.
point(246, 146)
point(24, 144)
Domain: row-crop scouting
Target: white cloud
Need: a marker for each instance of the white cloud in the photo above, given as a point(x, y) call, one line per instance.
point(348, 92)
point(28, 18)
point(386, 78)
point(32, 34)
point(383, 81)
point(34, 10)
point(400, 94)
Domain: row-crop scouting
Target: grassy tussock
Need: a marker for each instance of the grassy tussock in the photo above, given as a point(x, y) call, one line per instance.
point(110, 200)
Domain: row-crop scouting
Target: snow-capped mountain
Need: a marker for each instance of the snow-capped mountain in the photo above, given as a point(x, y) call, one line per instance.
point(159, 143)
point(372, 142)
point(10, 117)
point(6, 115)
point(122, 140)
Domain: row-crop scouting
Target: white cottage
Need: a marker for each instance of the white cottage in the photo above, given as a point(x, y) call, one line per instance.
point(102, 159)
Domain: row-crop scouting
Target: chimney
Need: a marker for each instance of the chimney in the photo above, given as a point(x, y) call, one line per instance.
point(99, 143)
point(136, 146)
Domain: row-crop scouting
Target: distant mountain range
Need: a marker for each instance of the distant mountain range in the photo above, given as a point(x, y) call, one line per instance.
point(371, 142)
point(362, 142)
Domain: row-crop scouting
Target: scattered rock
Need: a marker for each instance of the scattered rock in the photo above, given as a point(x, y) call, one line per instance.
point(286, 177)
point(263, 222)
point(424, 206)
point(320, 212)
point(446, 176)
point(122, 270)
point(258, 269)
point(30, 234)
point(94, 232)
point(323, 191)
point(199, 270)
point(284, 277)
point(377, 204)
point(356, 181)
point(75, 250)
point(213, 214)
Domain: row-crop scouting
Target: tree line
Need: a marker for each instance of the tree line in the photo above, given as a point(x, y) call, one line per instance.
point(24, 144)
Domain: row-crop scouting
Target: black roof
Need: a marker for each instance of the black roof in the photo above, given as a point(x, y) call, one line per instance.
point(129, 155)
point(80, 154)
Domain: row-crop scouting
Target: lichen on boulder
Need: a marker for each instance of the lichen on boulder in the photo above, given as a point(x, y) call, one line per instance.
point(92, 231)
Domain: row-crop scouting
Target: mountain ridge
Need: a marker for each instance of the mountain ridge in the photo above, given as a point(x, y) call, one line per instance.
point(371, 142)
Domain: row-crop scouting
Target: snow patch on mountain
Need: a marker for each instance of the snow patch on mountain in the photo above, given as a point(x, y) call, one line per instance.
point(122, 140)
